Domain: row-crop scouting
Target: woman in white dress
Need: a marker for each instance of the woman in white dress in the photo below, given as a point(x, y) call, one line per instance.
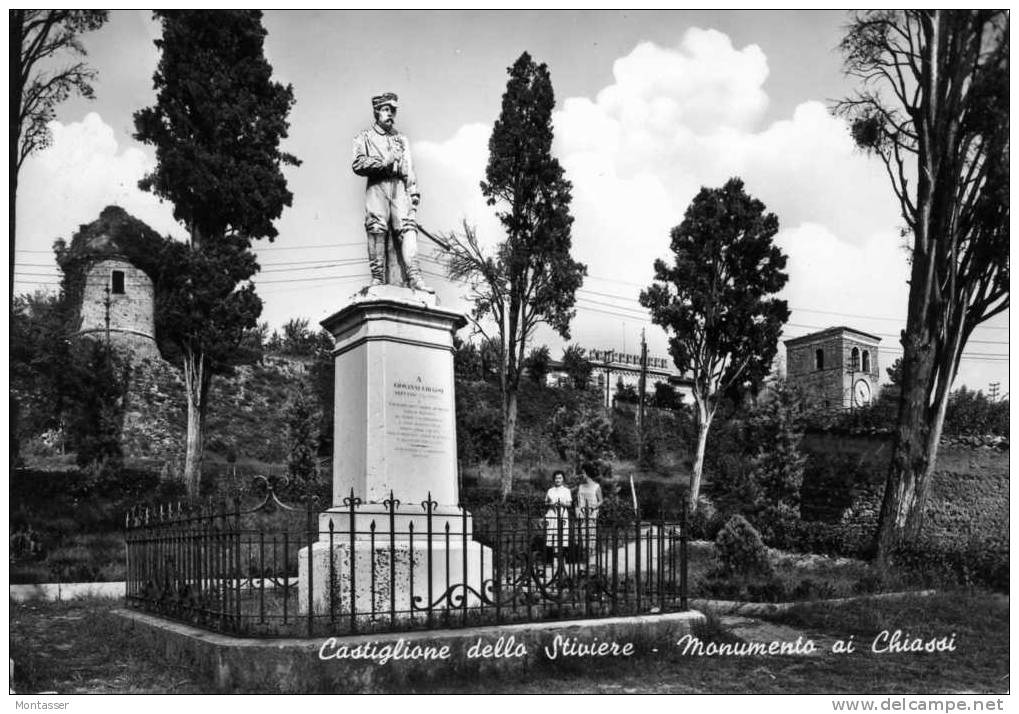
point(557, 518)
point(589, 500)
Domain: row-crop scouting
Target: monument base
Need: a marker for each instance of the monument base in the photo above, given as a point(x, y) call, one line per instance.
point(383, 578)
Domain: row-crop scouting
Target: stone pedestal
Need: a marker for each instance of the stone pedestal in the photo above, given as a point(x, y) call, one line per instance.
point(393, 579)
point(394, 438)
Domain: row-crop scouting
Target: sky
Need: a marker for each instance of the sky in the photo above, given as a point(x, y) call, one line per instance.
point(650, 107)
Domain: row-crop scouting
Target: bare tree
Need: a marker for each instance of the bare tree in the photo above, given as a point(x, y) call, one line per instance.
point(38, 38)
point(531, 278)
point(933, 105)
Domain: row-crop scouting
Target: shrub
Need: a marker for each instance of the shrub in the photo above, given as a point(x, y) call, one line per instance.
point(478, 427)
point(583, 437)
point(775, 436)
point(835, 539)
point(778, 524)
point(968, 563)
point(302, 437)
point(762, 473)
point(658, 500)
point(740, 550)
point(734, 487)
point(616, 509)
point(973, 413)
point(828, 483)
point(705, 522)
point(759, 588)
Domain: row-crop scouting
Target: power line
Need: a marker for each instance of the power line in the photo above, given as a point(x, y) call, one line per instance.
point(268, 267)
point(628, 313)
point(317, 246)
point(337, 264)
point(792, 308)
point(305, 280)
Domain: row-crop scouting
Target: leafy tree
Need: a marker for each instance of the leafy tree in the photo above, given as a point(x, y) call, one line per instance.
point(478, 427)
point(895, 372)
point(537, 364)
point(254, 339)
point(583, 437)
point(302, 438)
point(974, 414)
point(466, 360)
point(577, 366)
point(323, 382)
point(666, 396)
point(99, 381)
point(490, 353)
point(531, 278)
point(778, 464)
point(216, 126)
point(275, 343)
point(715, 300)
point(37, 39)
point(298, 339)
point(626, 392)
point(40, 364)
point(934, 107)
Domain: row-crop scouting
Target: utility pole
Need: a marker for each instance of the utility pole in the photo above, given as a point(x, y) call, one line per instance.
point(107, 303)
point(641, 388)
point(993, 389)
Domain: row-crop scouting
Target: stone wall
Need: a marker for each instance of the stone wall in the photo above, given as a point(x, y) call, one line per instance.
point(132, 313)
point(969, 495)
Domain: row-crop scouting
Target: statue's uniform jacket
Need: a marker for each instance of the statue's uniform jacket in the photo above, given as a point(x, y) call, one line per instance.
point(388, 195)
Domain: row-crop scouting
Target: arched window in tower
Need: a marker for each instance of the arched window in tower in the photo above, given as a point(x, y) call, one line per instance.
point(117, 282)
point(866, 360)
point(854, 360)
point(819, 359)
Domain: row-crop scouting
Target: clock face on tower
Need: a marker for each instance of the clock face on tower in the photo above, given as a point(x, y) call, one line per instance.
point(861, 393)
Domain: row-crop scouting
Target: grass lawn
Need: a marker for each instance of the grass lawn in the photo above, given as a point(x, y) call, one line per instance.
point(979, 664)
point(78, 647)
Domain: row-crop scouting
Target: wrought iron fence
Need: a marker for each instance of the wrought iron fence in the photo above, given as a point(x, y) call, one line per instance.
point(275, 570)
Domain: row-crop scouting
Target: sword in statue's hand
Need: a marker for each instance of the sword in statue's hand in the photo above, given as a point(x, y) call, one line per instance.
point(438, 241)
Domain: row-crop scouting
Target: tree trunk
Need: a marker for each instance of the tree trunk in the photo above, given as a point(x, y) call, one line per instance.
point(14, 134)
point(509, 430)
point(914, 456)
point(703, 424)
point(194, 389)
point(12, 228)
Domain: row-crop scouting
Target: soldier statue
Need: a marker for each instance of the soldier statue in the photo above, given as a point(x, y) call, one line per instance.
point(382, 155)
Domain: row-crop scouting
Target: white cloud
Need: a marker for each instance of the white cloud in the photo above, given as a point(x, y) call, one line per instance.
point(82, 172)
point(449, 174)
point(704, 84)
point(673, 120)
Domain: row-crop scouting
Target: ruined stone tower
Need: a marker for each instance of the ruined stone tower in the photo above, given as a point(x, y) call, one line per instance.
point(113, 295)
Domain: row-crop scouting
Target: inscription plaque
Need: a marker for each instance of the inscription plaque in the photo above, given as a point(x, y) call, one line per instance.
point(419, 418)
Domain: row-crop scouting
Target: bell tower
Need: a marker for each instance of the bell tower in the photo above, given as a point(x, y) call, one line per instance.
point(836, 368)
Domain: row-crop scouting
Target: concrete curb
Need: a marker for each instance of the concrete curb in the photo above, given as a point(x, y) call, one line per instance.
point(296, 665)
point(66, 591)
point(735, 607)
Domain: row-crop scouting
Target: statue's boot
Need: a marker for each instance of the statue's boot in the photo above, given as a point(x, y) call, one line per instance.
point(409, 253)
point(377, 257)
point(414, 278)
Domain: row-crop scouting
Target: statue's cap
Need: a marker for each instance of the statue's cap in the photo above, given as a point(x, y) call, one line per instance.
point(381, 100)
